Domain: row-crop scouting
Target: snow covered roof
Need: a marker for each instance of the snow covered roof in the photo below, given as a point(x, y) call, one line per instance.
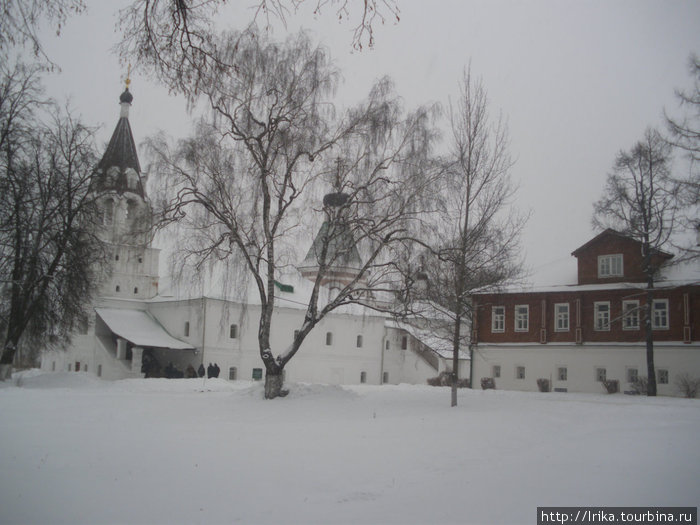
point(441, 346)
point(139, 328)
point(593, 287)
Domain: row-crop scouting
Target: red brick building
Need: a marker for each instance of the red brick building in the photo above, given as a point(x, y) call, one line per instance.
point(593, 330)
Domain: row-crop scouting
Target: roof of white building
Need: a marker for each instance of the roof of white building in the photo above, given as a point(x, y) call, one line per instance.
point(139, 328)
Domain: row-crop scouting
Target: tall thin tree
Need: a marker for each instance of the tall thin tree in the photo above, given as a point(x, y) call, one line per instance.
point(641, 199)
point(476, 239)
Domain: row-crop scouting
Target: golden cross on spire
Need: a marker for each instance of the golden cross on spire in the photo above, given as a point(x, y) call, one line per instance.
point(128, 75)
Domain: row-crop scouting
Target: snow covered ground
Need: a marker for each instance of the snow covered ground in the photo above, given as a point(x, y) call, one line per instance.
point(76, 449)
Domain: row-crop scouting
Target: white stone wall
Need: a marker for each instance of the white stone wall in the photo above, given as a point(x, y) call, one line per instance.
point(581, 363)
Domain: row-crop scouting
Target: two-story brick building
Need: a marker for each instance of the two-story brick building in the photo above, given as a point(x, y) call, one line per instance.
point(578, 335)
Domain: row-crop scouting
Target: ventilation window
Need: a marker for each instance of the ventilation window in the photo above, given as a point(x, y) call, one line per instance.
point(329, 338)
point(233, 331)
point(363, 377)
point(136, 290)
point(359, 341)
point(187, 328)
point(117, 288)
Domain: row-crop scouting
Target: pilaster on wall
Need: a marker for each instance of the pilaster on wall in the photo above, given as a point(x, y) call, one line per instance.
point(687, 335)
point(136, 360)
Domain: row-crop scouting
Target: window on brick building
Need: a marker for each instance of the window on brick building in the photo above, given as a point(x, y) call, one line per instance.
point(522, 318)
point(630, 315)
point(561, 317)
point(610, 265)
point(602, 315)
point(659, 315)
point(498, 319)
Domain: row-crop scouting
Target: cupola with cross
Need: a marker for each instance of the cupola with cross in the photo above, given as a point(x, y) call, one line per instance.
point(334, 250)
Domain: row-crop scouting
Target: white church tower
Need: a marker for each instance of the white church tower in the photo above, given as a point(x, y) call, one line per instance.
point(125, 215)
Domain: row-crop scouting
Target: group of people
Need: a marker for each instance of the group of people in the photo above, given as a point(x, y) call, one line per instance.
point(211, 371)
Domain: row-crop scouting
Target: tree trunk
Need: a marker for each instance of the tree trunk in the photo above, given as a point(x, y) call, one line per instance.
point(455, 359)
point(8, 357)
point(273, 385)
point(649, 332)
point(651, 372)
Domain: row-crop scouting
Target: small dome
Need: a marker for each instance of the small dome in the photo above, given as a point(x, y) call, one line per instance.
point(126, 96)
point(335, 200)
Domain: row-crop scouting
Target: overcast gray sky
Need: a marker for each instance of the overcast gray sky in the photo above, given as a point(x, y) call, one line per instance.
point(577, 82)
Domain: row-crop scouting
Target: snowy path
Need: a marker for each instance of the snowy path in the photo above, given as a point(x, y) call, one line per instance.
point(79, 450)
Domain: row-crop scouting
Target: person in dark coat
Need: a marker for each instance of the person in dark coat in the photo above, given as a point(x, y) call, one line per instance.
point(217, 370)
point(200, 370)
point(210, 370)
point(190, 372)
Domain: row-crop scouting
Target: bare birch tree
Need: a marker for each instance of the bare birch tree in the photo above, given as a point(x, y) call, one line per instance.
point(176, 39)
point(477, 243)
point(242, 184)
point(21, 20)
point(47, 249)
point(641, 199)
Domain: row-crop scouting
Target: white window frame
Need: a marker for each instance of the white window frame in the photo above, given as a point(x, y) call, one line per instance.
point(655, 325)
point(562, 373)
point(632, 375)
point(498, 319)
point(561, 313)
point(597, 316)
point(601, 376)
point(611, 265)
point(518, 375)
point(630, 312)
point(662, 376)
point(522, 319)
point(496, 371)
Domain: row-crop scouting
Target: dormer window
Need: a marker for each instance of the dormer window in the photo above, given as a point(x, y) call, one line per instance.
point(610, 265)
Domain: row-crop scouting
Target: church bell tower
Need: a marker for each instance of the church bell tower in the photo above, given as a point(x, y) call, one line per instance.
point(125, 215)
